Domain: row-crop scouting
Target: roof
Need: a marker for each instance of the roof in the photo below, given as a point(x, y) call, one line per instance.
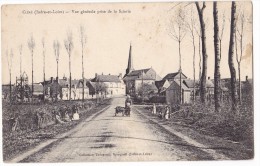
point(172, 76)
point(91, 85)
point(189, 83)
point(162, 85)
point(106, 78)
point(183, 86)
point(74, 82)
point(138, 72)
point(63, 83)
point(159, 84)
point(79, 85)
point(177, 82)
point(141, 74)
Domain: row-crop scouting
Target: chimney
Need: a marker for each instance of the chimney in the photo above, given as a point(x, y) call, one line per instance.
point(57, 79)
point(208, 78)
point(120, 75)
point(246, 78)
point(51, 79)
point(96, 75)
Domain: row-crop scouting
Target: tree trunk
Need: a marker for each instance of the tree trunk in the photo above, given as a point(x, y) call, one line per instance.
point(82, 74)
point(32, 75)
point(204, 53)
point(70, 78)
point(200, 60)
point(194, 53)
point(231, 56)
point(57, 70)
point(181, 102)
point(43, 75)
point(217, 90)
point(239, 84)
point(10, 87)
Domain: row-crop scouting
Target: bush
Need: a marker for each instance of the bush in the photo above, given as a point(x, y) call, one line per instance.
point(38, 115)
point(236, 126)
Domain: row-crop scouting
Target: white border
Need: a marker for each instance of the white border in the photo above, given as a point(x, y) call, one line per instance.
point(256, 52)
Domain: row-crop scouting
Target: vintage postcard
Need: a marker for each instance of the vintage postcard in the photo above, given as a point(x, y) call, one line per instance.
point(91, 82)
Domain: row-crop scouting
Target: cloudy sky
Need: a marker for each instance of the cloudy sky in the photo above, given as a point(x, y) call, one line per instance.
point(145, 25)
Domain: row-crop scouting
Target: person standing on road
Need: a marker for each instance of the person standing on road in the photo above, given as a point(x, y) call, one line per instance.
point(167, 112)
point(128, 103)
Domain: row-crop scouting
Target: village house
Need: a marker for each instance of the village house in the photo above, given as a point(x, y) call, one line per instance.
point(173, 93)
point(174, 76)
point(62, 88)
point(79, 90)
point(162, 85)
point(38, 90)
point(134, 79)
point(113, 85)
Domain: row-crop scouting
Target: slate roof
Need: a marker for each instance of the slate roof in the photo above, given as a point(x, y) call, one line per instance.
point(64, 83)
point(106, 78)
point(137, 75)
point(172, 76)
point(138, 72)
point(189, 83)
point(159, 84)
point(183, 86)
point(177, 83)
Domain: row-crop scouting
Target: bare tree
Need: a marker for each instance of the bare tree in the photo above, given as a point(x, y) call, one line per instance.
point(221, 32)
point(69, 46)
point(56, 47)
point(20, 51)
point(43, 54)
point(9, 63)
point(241, 23)
point(231, 56)
point(83, 40)
point(217, 87)
point(198, 32)
point(31, 46)
point(178, 32)
point(191, 27)
point(204, 51)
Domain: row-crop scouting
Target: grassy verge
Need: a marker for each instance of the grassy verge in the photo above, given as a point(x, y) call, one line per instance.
point(17, 142)
point(227, 133)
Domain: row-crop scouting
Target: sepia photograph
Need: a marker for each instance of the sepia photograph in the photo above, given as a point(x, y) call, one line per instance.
point(127, 82)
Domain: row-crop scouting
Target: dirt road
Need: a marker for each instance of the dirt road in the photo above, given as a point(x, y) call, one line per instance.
point(109, 138)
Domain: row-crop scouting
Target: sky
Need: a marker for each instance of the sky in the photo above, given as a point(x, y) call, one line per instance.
point(145, 25)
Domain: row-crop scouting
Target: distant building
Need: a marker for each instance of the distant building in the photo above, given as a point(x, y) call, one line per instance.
point(174, 76)
point(162, 85)
point(173, 93)
point(62, 86)
point(79, 90)
point(113, 84)
point(134, 79)
point(209, 87)
point(37, 89)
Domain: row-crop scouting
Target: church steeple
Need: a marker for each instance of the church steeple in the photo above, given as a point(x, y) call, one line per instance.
point(130, 61)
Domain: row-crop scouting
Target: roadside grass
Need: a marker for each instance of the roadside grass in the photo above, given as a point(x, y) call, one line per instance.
point(229, 132)
point(29, 134)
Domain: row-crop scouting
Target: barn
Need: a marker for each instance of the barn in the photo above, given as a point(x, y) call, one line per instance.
point(173, 93)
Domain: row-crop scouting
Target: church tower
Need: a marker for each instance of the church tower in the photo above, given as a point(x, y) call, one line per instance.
point(130, 62)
